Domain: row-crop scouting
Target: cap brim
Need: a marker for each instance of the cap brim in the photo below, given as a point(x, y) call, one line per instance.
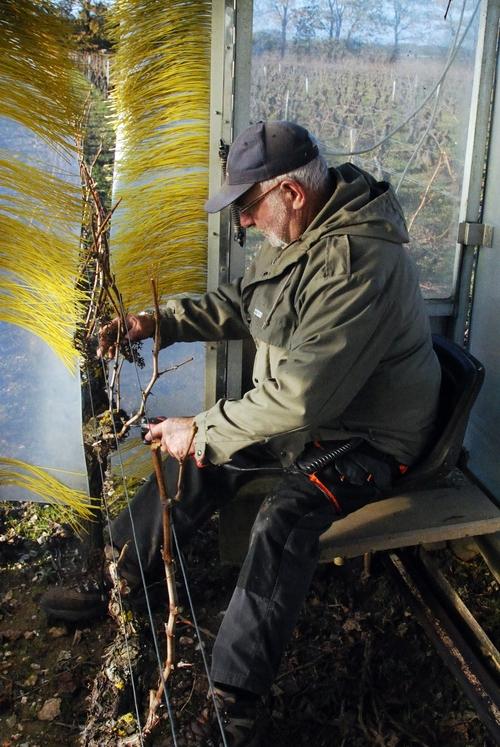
point(226, 195)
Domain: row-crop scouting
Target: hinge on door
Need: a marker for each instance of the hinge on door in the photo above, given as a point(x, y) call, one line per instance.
point(475, 234)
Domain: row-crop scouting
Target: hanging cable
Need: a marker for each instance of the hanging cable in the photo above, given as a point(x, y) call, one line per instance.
point(239, 231)
point(421, 140)
point(402, 124)
point(436, 104)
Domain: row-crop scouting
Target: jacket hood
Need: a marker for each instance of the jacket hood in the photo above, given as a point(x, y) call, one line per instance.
point(359, 206)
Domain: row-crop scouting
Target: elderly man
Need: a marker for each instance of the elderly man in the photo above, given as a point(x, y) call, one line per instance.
point(344, 371)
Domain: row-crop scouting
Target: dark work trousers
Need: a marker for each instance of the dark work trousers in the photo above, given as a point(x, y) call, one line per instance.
point(276, 573)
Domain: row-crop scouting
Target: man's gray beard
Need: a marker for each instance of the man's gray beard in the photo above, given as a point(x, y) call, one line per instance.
point(275, 241)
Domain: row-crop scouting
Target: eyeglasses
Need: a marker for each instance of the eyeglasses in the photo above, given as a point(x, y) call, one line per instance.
point(251, 204)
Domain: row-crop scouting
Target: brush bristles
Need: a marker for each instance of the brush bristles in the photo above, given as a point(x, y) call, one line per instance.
point(74, 505)
point(161, 74)
point(39, 224)
point(40, 86)
point(40, 214)
point(42, 97)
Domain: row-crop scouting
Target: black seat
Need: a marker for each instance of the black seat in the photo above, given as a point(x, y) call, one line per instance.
point(434, 501)
point(462, 378)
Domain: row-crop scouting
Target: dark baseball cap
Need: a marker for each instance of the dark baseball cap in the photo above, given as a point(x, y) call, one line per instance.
point(262, 151)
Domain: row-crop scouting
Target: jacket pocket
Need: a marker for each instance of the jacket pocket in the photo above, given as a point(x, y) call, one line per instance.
point(337, 257)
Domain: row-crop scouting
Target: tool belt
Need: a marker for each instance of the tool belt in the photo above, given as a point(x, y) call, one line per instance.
point(316, 456)
point(340, 467)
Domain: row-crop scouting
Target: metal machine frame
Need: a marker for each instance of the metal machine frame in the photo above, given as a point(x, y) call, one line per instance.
point(229, 114)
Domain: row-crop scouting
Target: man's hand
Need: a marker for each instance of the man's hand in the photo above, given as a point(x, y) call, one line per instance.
point(176, 436)
point(139, 327)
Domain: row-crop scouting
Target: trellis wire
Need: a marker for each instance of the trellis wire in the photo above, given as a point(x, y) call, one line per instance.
point(108, 522)
point(141, 569)
point(179, 557)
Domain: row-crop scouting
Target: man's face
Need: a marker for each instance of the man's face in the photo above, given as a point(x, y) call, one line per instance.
point(266, 211)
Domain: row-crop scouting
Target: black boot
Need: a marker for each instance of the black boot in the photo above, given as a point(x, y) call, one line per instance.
point(238, 717)
point(75, 604)
point(87, 600)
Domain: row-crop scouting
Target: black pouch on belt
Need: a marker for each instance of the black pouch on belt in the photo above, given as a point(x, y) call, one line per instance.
point(346, 471)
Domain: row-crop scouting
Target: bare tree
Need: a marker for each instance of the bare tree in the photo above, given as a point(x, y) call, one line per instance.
point(334, 11)
point(398, 16)
point(307, 21)
point(357, 20)
point(283, 10)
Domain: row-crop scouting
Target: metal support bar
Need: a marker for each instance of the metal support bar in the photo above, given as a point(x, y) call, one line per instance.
point(489, 547)
point(476, 155)
point(475, 234)
point(439, 582)
point(229, 114)
point(441, 626)
point(236, 350)
point(221, 127)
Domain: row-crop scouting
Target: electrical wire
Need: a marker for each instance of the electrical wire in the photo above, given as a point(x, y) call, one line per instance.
point(402, 124)
point(421, 140)
point(435, 108)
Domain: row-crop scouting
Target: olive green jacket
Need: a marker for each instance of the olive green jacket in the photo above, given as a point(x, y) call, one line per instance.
point(342, 336)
